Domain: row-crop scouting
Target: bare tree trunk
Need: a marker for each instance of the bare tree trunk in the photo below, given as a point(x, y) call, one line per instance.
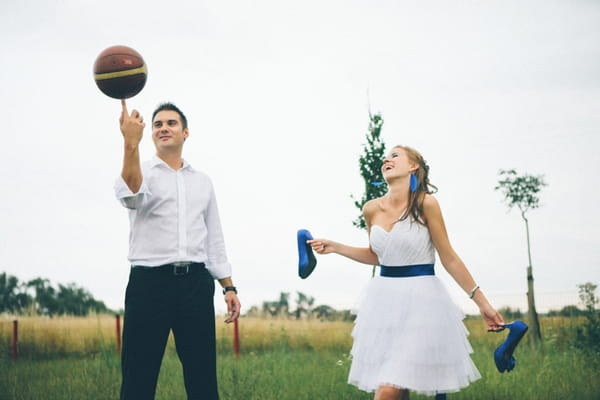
point(535, 335)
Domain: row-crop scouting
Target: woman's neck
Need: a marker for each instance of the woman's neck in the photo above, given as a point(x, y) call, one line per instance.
point(398, 193)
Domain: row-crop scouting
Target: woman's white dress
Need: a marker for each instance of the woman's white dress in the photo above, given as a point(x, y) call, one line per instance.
point(408, 332)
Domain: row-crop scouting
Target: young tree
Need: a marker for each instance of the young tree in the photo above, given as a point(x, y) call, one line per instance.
point(522, 191)
point(370, 169)
point(588, 334)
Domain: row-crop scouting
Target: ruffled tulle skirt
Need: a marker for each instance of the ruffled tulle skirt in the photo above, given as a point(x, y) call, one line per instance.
point(409, 334)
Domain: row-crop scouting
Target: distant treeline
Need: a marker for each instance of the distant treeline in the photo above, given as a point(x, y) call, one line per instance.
point(510, 313)
point(303, 307)
point(39, 297)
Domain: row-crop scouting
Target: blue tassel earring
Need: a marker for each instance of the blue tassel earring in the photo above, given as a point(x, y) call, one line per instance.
point(413, 182)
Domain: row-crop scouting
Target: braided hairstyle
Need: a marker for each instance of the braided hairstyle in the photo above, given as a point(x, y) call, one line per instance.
point(415, 202)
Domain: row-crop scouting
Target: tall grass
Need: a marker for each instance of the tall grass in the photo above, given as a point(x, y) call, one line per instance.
point(267, 334)
point(44, 337)
point(63, 358)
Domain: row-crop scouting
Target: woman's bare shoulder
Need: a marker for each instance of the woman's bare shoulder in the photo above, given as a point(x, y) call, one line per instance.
point(372, 206)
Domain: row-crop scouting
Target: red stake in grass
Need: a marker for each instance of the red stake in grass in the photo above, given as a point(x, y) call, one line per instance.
point(118, 320)
point(236, 339)
point(15, 341)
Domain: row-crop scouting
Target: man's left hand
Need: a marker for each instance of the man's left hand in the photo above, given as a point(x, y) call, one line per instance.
point(233, 306)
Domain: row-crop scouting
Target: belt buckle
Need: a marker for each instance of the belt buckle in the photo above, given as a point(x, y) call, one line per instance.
point(181, 268)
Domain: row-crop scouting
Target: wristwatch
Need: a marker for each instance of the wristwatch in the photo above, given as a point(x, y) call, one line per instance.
point(230, 288)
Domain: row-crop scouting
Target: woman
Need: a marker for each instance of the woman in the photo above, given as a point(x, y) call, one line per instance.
point(408, 334)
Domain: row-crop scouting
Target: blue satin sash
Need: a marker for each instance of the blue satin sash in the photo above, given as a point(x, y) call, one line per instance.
point(407, 271)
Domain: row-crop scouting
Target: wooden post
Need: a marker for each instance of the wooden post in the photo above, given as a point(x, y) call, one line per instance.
point(15, 341)
point(118, 327)
point(236, 339)
point(535, 337)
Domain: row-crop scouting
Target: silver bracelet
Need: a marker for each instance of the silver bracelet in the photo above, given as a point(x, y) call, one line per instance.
point(472, 291)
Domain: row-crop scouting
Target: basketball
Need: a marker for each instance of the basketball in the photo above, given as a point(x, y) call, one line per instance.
point(120, 72)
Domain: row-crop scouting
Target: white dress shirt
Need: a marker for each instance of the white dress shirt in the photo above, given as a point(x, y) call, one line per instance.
point(174, 217)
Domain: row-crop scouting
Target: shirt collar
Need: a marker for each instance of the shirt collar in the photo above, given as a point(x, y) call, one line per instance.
point(156, 161)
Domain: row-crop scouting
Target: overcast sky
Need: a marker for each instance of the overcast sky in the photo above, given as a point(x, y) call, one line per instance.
point(277, 96)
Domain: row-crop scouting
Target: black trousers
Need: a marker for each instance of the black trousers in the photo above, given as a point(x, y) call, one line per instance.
point(156, 302)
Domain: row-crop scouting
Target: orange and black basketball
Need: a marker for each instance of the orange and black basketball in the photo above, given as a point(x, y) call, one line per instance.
point(120, 72)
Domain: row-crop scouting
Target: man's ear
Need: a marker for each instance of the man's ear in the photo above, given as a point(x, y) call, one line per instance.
point(186, 133)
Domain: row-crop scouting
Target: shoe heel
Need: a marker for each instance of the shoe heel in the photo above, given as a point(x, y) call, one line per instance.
point(503, 355)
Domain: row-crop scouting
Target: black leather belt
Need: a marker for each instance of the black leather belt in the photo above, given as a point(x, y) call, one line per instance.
point(176, 268)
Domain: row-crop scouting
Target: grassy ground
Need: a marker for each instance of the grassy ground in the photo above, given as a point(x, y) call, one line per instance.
point(280, 359)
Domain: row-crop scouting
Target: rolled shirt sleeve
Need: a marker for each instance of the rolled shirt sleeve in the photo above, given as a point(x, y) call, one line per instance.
point(126, 197)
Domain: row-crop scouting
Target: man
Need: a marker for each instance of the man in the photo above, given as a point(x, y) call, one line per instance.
point(176, 251)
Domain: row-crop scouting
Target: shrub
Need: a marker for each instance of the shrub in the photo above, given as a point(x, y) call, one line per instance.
point(587, 336)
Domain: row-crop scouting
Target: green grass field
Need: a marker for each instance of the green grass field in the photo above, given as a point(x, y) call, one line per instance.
point(280, 359)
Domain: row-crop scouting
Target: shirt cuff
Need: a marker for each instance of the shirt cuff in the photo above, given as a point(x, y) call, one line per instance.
point(126, 197)
point(220, 270)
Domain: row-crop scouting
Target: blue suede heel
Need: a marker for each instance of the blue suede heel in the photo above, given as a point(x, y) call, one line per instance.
point(306, 258)
point(503, 356)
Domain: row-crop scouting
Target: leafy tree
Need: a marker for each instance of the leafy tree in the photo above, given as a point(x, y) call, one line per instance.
point(73, 300)
point(45, 302)
point(588, 335)
point(370, 167)
point(12, 298)
point(370, 163)
point(269, 308)
point(283, 304)
point(324, 312)
point(587, 295)
point(304, 305)
point(280, 307)
point(522, 191)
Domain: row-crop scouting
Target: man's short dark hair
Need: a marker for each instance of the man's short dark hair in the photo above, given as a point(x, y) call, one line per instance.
point(167, 106)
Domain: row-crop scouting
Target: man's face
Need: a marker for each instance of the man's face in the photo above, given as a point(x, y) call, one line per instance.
point(167, 130)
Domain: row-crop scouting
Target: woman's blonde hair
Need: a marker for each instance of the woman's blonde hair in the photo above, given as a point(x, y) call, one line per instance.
point(415, 202)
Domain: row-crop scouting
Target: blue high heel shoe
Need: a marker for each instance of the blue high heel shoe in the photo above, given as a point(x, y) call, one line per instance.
point(306, 258)
point(503, 356)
